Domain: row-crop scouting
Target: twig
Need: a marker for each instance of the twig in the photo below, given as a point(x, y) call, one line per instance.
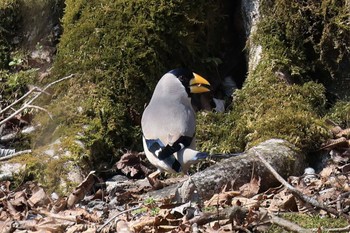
point(15, 154)
point(288, 225)
point(42, 109)
point(341, 197)
point(49, 85)
point(341, 229)
point(19, 100)
point(59, 216)
point(115, 216)
point(25, 105)
point(296, 192)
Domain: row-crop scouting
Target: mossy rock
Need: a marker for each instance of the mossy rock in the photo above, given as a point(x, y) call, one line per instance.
point(311, 41)
point(288, 93)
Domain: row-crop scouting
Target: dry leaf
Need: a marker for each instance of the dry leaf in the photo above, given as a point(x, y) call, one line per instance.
point(39, 198)
point(222, 199)
point(283, 201)
point(131, 164)
point(81, 190)
point(250, 189)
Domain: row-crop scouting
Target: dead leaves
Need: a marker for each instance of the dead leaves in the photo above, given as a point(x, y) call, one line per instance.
point(31, 208)
point(133, 164)
point(93, 207)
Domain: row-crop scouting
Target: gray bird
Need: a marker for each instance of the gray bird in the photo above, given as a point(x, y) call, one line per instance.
point(168, 122)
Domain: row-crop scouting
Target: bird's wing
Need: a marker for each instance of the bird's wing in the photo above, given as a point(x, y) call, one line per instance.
point(156, 147)
point(168, 128)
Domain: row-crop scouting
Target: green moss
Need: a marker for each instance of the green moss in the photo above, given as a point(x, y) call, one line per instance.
point(305, 54)
point(340, 113)
point(310, 221)
point(118, 50)
point(14, 85)
point(266, 108)
point(51, 172)
point(310, 40)
point(9, 18)
point(34, 167)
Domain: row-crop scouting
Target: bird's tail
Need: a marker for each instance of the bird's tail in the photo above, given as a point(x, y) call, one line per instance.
point(225, 156)
point(201, 155)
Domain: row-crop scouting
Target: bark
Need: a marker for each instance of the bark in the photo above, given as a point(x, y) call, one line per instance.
point(232, 173)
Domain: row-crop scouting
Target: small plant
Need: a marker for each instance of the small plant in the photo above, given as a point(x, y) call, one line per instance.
point(16, 62)
point(151, 204)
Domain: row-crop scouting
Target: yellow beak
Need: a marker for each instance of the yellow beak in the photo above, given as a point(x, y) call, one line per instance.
point(198, 84)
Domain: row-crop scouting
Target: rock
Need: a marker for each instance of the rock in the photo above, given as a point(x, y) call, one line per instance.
point(8, 170)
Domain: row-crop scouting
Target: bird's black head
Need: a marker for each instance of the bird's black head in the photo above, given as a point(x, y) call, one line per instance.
point(184, 75)
point(192, 82)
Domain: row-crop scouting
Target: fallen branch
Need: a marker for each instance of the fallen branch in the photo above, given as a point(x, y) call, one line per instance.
point(230, 213)
point(28, 104)
point(15, 155)
point(296, 192)
point(339, 199)
point(235, 172)
point(288, 225)
point(341, 229)
point(69, 218)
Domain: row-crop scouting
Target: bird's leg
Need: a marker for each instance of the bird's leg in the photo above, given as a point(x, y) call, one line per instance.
point(154, 181)
point(154, 175)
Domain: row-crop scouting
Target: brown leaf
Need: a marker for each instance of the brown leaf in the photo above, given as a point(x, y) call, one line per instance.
point(6, 226)
point(3, 216)
point(59, 205)
point(131, 164)
point(12, 211)
point(81, 190)
point(246, 202)
point(283, 201)
point(39, 198)
point(250, 189)
point(327, 171)
point(19, 199)
point(343, 133)
point(143, 223)
point(222, 199)
point(52, 225)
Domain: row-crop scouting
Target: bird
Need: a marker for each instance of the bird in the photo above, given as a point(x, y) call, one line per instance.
point(168, 122)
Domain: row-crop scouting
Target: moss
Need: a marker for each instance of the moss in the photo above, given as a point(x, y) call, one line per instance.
point(51, 172)
point(34, 167)
point(118, 51)
point(269, 108)
point(14, 85)
point(340, 114)
point(308, 222)
point(9, 18)
point(310, 40)
point(304, 57)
